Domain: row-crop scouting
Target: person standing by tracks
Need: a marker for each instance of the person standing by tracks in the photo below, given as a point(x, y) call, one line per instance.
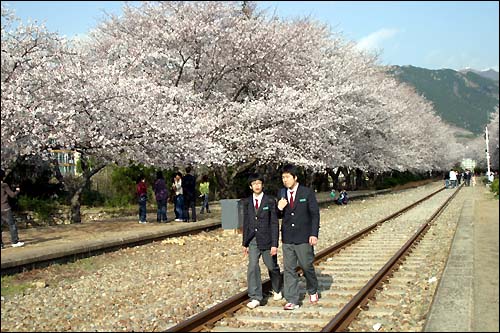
point(453, 179)
point(299, 210)
point(204, 190)
point(7, 211)
point(189, 192)
point(260, 239)
point(161, 196)
point(178, 198)
point(142, 194)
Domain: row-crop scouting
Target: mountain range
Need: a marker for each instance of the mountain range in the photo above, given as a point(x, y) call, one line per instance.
point(488, 73)
point(463, 99)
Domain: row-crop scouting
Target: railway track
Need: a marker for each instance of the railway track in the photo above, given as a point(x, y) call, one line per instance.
point(61, 255)
point(378, 260)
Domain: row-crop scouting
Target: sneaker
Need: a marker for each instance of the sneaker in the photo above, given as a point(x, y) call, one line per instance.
point(18, 244)
point(253, 304)
point(277, 296)
point(179, 220)
point(291, 306)
point(142, 222)
point(314, 298)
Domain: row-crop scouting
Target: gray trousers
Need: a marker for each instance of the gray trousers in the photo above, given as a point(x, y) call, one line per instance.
point(9, 219)
point(253, 272)
point(298, 255)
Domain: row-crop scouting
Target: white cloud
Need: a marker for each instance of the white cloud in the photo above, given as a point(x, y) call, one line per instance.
point(495, 68)
point(374, 40)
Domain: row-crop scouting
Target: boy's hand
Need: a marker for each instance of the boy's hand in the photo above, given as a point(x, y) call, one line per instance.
point(282, 203)
point(245, 251)
point(274, 251)
point(313, 240)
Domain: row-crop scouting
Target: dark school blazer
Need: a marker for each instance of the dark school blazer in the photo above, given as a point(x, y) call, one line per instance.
point(302, 221)
point(262, 224)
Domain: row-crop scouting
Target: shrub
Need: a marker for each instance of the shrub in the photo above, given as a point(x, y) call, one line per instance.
point(43, 208)
point(399, 178)
point(124, 180)
point(122, 200)
point(494, 187)
point(92, 198)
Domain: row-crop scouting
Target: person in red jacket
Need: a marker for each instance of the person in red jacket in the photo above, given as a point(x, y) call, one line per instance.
point(142, 193)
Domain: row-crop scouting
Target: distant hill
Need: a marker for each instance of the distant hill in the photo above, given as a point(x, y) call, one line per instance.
point(464, 99)
point(489, 73)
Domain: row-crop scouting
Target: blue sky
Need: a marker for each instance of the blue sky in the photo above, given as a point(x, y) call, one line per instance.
point(429, 34)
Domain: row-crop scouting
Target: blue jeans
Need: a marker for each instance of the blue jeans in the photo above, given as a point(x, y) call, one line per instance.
point(204, 205)
point(9, 219)
point(179, 206)
point(142, 209)
point(161, 214)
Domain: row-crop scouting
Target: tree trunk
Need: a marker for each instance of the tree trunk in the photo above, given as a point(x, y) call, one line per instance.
point(360, 180)
point(346, 184)
point(309, 179)
point(371, 179)
point(76, 197)
point(335, 177)
point(322, 182)
point(75, 216)
point(225, 178)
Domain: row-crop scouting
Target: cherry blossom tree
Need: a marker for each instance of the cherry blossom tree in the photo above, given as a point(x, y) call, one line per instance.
point(218, 84)
point(29, 54)
point(58, 95)
point(493, 140)
point(232, 62)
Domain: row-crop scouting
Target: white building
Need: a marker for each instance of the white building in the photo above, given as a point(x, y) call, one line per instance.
point(67, 160)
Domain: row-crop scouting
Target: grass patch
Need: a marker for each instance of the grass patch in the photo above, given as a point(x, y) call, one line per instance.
point(17, 284)
point(11, 286)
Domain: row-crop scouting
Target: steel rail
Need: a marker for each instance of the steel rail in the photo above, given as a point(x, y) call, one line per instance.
point(347, 314)
point(204, 319)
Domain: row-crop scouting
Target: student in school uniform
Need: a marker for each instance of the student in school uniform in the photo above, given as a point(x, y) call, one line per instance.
point(299, 210)
point(260, 239)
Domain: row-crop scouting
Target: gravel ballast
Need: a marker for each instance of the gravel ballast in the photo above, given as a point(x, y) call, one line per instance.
point(153, 287)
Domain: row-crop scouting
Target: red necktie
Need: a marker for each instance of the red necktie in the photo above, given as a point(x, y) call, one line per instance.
point(256, 204)
point(291, 199)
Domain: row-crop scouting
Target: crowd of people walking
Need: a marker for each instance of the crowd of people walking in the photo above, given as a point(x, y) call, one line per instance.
point(454, 178)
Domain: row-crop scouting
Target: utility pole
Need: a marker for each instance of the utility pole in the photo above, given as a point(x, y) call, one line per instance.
point(487, 153)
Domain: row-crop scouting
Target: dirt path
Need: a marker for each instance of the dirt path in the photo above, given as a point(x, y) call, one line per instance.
point(485, 316)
